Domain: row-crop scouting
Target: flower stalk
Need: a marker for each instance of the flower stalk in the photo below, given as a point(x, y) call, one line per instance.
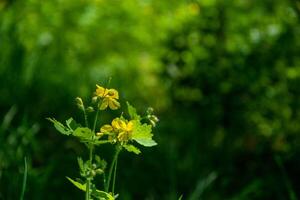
point(121, 133)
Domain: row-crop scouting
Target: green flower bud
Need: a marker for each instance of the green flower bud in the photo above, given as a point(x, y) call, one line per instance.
point(99, 171)
point(154, 118)
point(79, 103)
point(93, 173)
point(150, 110)
point(94, 99)
point(90, 109)
point(152, 123)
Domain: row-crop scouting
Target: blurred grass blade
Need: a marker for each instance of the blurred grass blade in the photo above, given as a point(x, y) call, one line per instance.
point(291, 191)
point(24, 179)
point(202, 185)
point(8, 117)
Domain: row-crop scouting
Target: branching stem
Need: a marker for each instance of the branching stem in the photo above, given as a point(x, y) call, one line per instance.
point(118, 149)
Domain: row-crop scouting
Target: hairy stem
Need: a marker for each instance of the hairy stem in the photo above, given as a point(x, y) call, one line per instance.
point(95, 122)
point(118, 149)
point(91, 148)
point(87, 192)
point(88, 180)
point(85, 118)
point(114, 177)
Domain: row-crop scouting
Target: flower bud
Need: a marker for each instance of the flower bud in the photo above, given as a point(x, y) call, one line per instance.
point(90, 109)
point(154, 118)
point(94, 99)
point(99, 171)
point(79, 103)
point(152, 123)
point(150, 110)
point(99, 134)
point(93, 173)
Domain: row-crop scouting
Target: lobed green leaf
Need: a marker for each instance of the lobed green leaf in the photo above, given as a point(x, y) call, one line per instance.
point(83, 133)
point(60, 127)
point(101, 195)
point(77, 184)
point(72, 124)
point(142, 134)
point(132, 112)
point(131, 148)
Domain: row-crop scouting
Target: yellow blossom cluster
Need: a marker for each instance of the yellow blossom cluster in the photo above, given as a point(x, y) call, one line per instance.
point(109, 98)
point(119, 129)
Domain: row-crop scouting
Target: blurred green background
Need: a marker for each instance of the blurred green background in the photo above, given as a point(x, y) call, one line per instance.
point(222, 75)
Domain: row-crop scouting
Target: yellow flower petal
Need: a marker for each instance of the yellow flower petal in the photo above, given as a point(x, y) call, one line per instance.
point(123, 137)
point(116, 123)
point(113, 93)
point(104, 104)
point(129, 127)
point(106, 128)
point(100, 91)
point(113, 104)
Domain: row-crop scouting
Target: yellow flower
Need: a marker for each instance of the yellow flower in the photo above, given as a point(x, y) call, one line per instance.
point(125, 133)
point(106, 128)
point(122, 129)
point(109, 98)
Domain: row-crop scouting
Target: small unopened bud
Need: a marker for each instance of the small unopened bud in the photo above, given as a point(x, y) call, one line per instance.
point(99, 171)
point(93, 173)
point(154, 118)
point(94, 100)
point(150, 110)
point(90, 109)
point(79, 102)
point(99, 134)
point(152, 123)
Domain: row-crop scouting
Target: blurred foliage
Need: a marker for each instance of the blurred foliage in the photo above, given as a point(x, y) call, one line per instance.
point(223, 75)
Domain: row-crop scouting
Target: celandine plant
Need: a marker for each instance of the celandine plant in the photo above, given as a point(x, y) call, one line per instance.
point(121, 133)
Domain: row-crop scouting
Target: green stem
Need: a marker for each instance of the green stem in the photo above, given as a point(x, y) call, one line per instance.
point(114, 178)
point(24, 179)
point(85, 118)
point(96, 119)
point(104, 179)
point(118, 149)
point(88, 181)
point(87, 192)
point(91, 148)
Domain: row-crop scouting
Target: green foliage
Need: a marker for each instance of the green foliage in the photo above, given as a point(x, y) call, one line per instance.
point(142, 134)
point(101, 195)
point(60, 127)
point(83, 133)
point(131, 148)
point(132, 112)
point(119, 134)
point(223, 75)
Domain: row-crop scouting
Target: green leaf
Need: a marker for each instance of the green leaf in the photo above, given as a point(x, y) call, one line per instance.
point(96, 193)
point(83, 133)
point(180, 198)
point(101, 195)
point(142, 134)
point(77, 184)
point(81, 164)
point(132, 112)
point(131, 148)
point(72, 124)
point(60, 127)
